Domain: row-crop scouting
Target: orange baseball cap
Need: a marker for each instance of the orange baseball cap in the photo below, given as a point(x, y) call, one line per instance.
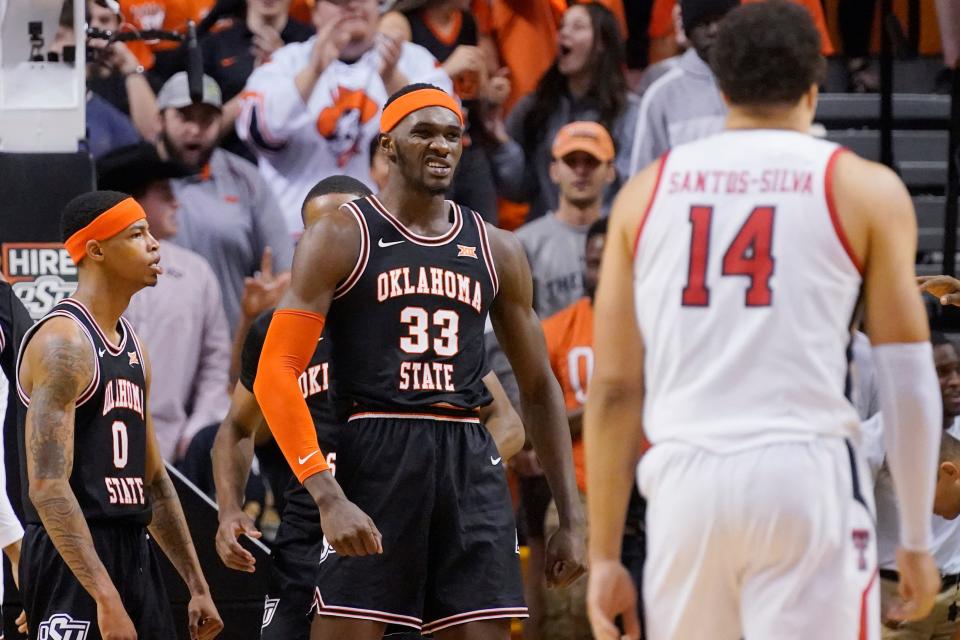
point(590, 137)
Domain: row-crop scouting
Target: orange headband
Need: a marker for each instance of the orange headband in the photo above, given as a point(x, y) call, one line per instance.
point(414, 101)
point(104, 226)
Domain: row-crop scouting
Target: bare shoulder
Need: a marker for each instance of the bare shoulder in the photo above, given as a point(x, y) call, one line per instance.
point(633, 200)
point(58, 355)
point(333, 241)
point(870, 188)
point(505, 245)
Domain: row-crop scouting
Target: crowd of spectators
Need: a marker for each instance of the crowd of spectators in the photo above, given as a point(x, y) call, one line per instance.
point(561, 108)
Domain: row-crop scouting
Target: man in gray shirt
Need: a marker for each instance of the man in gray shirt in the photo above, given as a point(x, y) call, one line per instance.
point(181, 319)
point(227, 212)
point(684, 104)
point(582, 167)
point(555, 243)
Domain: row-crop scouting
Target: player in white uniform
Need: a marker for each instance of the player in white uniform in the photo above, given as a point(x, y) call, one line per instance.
point(742, 258)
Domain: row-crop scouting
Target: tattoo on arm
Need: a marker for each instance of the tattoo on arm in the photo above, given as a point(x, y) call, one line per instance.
point(169, 528)
point(61, 370)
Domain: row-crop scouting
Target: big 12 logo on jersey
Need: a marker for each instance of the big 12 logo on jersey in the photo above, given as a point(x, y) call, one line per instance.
point(41, 273)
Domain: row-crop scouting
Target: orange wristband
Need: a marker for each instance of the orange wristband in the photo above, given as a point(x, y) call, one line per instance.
point(287, 349)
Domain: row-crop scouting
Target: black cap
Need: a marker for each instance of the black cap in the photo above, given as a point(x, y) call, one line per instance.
point(133, 167)
point(698, 12)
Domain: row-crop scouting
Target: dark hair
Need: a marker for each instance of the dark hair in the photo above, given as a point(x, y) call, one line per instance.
point(374, 145)
point(66, 15)
point(767, 54)
point(410, 88)
point(938, 339)
point(598, 228)
point(336, 184)
point(949, 448)
point(84, 209)
point(608, 86)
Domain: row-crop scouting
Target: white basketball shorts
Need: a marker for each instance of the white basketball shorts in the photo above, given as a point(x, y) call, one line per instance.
point(769, 543)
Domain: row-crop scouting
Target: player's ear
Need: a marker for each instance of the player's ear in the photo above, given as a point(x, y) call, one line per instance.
point(950, 469)
point(554, 171)
point(94, 250)
point(388, 147)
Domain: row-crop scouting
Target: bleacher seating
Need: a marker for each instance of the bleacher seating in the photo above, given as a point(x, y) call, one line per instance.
point(920, 151)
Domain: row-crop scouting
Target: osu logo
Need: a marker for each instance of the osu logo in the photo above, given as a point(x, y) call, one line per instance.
point(269, 608)
point(327, 550)
point(61, 626)
point(342, 122)
point(149, 15)
point(41, 274)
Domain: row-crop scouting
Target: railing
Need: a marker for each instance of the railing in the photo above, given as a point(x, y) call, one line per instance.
point(953, 179)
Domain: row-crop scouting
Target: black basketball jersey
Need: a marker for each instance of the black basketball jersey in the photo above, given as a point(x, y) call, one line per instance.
point(425, 34)
point(299, 508)
point(466, 85)
point(15, 320)
point(314, 382)
point(407, 325)
point(110, 427)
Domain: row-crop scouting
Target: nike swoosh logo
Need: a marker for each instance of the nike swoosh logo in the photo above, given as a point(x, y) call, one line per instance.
point(101, 352)
point(495, 461)
point(384, 245)
point(304, 460)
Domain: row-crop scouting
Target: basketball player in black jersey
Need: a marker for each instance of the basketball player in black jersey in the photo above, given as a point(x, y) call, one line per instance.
point(289, 603)
point(421, 534)
point(94, 476)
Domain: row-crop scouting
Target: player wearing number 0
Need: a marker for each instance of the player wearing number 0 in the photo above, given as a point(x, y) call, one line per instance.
point(289, 604)
point(742, 258)
point(95, 480)
point(418, 520)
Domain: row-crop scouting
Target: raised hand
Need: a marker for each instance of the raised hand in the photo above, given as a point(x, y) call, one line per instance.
point(264, 290)
point(464, 58)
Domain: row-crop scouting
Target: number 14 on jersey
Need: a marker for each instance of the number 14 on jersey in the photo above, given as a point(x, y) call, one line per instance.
point(749, 255)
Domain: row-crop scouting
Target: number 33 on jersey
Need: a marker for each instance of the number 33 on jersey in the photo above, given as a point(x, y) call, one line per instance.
point(407, 325)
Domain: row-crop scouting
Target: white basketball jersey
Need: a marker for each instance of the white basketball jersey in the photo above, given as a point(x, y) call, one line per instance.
point(745, 293)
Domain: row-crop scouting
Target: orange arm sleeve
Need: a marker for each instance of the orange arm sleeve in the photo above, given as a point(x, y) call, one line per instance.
point(291, 340)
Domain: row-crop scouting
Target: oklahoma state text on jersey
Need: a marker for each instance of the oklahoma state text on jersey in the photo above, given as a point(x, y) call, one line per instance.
point(407, 325)
point(110, 428)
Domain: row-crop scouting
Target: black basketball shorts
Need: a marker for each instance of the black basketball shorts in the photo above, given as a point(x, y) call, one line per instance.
point(58, 606)
point(436, 489)
point(293, 577)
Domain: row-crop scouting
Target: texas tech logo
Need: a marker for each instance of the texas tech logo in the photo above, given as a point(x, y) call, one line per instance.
point(42, 274)
point(861, 540)
point(269, 608)
point(60, 626)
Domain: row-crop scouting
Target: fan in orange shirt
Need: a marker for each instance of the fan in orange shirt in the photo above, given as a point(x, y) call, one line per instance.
point(168, 15)
point(569, 336)
point(662, 27)
point(526, 36)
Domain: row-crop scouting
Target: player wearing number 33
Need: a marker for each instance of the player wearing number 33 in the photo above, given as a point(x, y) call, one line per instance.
point(95, 482)
point(742, 259)
point(418, 521)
